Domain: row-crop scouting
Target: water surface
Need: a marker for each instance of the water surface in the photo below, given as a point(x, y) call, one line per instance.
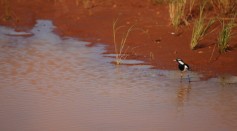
point(50, 83)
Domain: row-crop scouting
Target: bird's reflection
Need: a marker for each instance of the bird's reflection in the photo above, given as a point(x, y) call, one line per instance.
point(182, 93)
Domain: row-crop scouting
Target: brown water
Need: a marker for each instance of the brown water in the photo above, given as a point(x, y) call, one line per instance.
point(48, 83)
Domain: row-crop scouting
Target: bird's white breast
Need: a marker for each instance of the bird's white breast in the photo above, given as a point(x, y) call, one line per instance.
point(181, 62)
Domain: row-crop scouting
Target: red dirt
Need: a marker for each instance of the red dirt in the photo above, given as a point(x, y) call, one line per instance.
point(93, 22)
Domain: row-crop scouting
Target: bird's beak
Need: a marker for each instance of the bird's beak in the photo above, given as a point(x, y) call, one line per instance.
point(174, 60)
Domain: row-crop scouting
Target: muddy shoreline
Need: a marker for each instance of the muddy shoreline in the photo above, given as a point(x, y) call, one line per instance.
point(153, 40)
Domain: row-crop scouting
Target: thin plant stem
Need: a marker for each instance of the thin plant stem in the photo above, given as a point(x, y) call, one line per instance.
point(120, 51)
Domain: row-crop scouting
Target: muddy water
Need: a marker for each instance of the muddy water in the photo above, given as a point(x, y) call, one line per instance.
point(48, 83)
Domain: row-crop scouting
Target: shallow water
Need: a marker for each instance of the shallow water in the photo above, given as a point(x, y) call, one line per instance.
point(50, 83)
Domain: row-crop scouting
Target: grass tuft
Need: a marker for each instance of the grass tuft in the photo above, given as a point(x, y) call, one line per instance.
point(120, 47)
point(200, 28)
point(225, 35)
point(176, 11)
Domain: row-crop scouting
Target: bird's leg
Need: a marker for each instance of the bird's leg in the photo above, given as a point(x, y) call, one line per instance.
point(189, 80)
point(181, 77)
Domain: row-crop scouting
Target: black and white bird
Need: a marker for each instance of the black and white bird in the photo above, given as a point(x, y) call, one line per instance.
point(183, 67)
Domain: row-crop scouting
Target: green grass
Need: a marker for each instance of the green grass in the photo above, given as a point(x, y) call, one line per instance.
point(200, 28)
point(120, 47)
point(225, 35)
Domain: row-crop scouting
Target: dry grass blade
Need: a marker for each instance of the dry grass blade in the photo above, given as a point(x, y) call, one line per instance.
point(176, 12)
point(120, 47)
point(224, 6)
point(191, 5)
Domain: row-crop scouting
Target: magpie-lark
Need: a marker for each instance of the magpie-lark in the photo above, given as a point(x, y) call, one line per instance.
point(183, 67)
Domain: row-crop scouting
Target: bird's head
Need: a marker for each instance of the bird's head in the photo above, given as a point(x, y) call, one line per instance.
point(180, 61)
